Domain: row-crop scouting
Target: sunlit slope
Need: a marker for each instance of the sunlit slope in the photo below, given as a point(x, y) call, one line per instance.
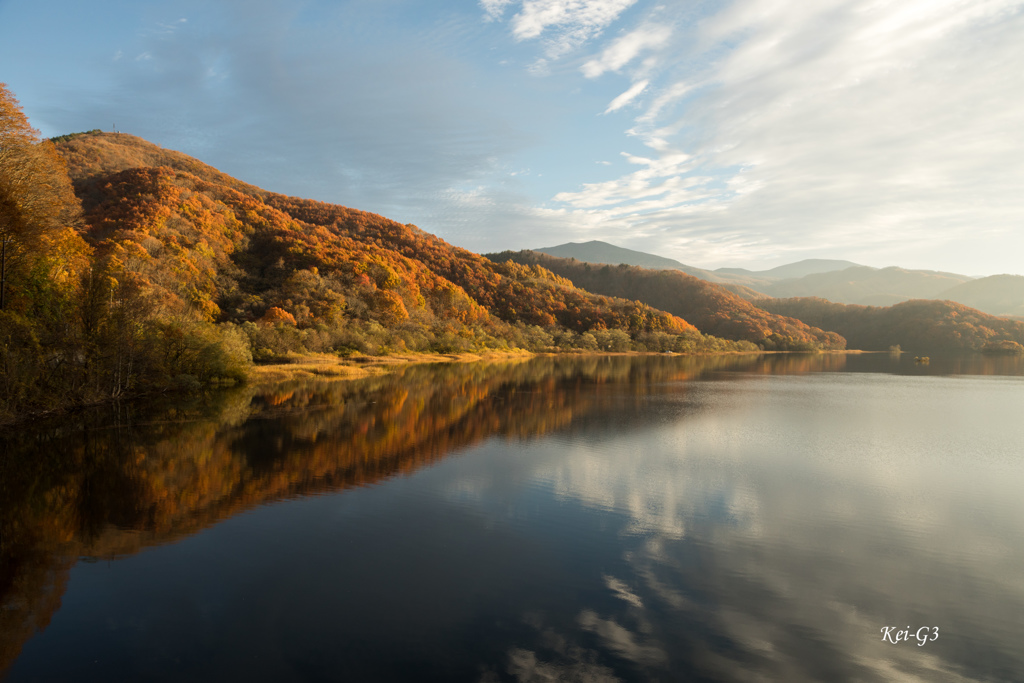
point(214, 246)
point(713, 309)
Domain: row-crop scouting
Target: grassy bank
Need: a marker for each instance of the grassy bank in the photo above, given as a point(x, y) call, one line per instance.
point(327, 365)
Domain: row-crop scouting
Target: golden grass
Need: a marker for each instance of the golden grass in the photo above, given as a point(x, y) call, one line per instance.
point(324, 365)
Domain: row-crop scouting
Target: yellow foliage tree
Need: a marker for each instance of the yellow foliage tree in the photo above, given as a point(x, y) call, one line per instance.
point(36, 197)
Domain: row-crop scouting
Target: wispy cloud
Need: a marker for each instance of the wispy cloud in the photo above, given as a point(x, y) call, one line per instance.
point(627, 97)
point(624, 50)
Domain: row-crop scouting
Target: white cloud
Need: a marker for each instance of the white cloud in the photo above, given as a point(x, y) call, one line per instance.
point(494, 8)
point(625, 49)
point(627, 97)
point(587, 16)
point(568, 24)
point(664, 176)
point(861, 129)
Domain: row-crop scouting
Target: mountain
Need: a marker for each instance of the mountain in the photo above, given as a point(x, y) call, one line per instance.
point(996, 294)
point(833, 279)
point(792, 270)
point(232, 252)
point(917, 326)
point(869, 286)
point(596, 251)
point(740, 280)
point(599, 252)
point(713, 309)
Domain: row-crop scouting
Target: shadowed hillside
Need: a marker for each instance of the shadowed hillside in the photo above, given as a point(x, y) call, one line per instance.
point(916, 326)
point(711, 308)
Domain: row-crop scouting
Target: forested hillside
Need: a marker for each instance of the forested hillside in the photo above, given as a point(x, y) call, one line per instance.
point(711, 308)
point(917, 326)
point(125, 267)
point(228, 252)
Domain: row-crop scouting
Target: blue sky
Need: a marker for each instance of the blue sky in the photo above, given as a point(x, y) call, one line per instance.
point(748, 133)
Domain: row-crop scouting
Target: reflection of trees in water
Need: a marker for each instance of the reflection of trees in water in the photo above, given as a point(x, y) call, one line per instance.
point(115, 481)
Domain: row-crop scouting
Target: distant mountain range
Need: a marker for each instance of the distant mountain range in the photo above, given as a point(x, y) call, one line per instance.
point(596, 251)
point(832, 279)
point(797, 323)
point(869, 286)
point(803, 268)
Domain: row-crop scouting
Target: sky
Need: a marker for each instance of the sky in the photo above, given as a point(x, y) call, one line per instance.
point(745, 134)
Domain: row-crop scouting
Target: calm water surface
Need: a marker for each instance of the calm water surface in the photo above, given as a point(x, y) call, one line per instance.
point(597, 519)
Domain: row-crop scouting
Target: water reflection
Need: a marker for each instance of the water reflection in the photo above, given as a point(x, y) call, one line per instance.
point(627, 523)
point(120, 480)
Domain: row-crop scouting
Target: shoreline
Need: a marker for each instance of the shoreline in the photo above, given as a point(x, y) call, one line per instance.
point(328, 366)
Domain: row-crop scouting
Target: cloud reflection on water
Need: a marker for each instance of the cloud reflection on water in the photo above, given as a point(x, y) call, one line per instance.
point(772, 534)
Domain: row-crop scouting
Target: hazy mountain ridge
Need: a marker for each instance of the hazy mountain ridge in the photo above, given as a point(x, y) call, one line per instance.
point(596, 251)
point(836, 280)
point(995, 294)
point(793, 270)
point(868, 286)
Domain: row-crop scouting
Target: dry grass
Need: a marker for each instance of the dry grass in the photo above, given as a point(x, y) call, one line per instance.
point(323, 365)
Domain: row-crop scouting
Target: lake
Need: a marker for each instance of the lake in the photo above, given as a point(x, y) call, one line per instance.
point(629, 518)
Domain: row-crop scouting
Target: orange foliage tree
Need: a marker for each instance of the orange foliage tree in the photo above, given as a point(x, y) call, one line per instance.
point(36, 197)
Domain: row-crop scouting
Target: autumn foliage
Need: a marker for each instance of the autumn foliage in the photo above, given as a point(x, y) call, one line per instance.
point(917, 326)
point(713, 309)
point(209, 246)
